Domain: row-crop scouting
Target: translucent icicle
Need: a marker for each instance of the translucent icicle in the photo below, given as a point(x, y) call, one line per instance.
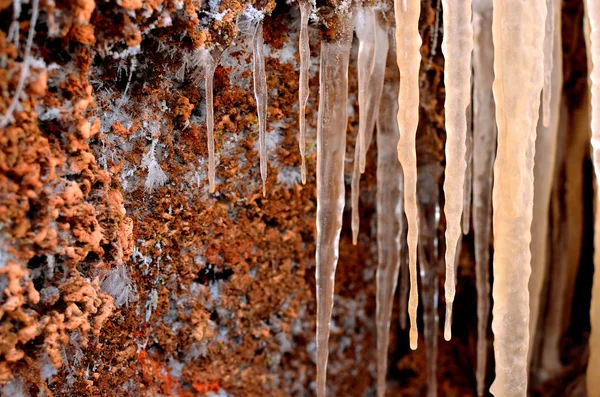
point(368, 111)
point(404, 280)
point(260, 94)
point(390, 218)
point(365, 31)
point(355, 192)
point(303, 45)
point(484, 151)
point(375, 83)
point(429, 260)
point(549, 38)
point(468, 196)
point(518, 29)
point(457, 45)
point(408, 44)
point(331, 148)
point(545, 149)
point(210, 65)
point(550, 324)
point(593, 369)
point(566, 212)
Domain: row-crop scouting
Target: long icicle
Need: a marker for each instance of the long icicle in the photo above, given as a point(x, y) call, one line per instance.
point(303, 45)
point(428, 197)
point(260, 94)
point(390, 216)
point(376, 81)
point(211, 65)
point(365, 31)
point(517, 30)
point(593, 369)
point(408, 45)
point(368, 110)
point(545, 149)
point(484, 151)
point(468, 191)
point(457, 45)
point(331, 148)
point(547, 359)
point(549, 38)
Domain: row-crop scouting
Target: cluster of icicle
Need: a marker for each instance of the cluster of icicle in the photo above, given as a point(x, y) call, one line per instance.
point(508, 53)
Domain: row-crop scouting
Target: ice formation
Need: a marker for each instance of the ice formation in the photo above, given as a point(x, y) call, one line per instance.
point(408, 45)
point(210, 66)
point(505, 169)
point(484, 150)
point(545, 149)
point(456, 46)
point(365, 23)
point(390, 217)
point(370, 83)
point(549, 38)
point(303, 89)
point(517, 31)
point(260, 94)
point(331, 150)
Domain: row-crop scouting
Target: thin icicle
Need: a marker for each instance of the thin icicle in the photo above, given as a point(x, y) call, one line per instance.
point(484, 151)
point(468, 196)
point(210, 66)
point(390, 217)
point(355, 193)
point(457, 45)
point(519, 77)
point(375, 83)
point(260, 94)
point(549, 38)
point(543, 172)
point(404, 280)
point(367, 113)
point(331, 148)
point(303, 45)
point(408, 44)
point(365, 31)
point(567, 230)
point(593, 369)
point(429, 261)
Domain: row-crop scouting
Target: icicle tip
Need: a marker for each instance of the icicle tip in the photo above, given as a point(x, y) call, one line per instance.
point(448, 322)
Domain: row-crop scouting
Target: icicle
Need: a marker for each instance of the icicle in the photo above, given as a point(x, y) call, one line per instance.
point(429, 261)
point(404, 280)
point(408, 44)
point(468, 196)
point(593, 369)
point(457, 45)
point(355, 192)
point(331, 148)
point(549, 38)
point(519, 77)
point(365, 31)
point(484, 151)
point(303, 45)
point(260, 94)
point(566, 213)
point(545, 149)
point(375, 84)
point(390, 217)
point(210, 66)
point(371, 85)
